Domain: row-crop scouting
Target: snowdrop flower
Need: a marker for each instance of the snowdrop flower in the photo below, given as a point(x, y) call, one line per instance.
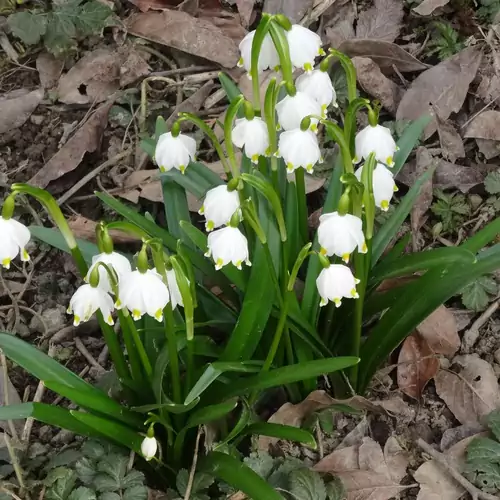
point(318, 85)
point(173, 288)
point(149, 447)
point(174, 151)
point(143, 293)
point(253, 136)
point(227, 245)
point(268, 57)
point(375, 139)
point(335, 283)
point(87, 300)
point(305, 46)
point(383, 185)
point(299, 148)
point(219, 206)
point(117, 261)
point(340, 234)
point(292, 109)
point(15, 236)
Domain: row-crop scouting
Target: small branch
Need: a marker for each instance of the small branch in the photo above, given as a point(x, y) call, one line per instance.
point(193, 465)
point(472, 334)
point(86, 354)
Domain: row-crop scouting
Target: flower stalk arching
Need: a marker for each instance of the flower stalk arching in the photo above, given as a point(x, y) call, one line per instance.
point(303, 254)
point(368, 197)
point(231, 113)
point(336, 134)
point(8, 206)
point(281, 43)
point(349, 69)
point(350, 119)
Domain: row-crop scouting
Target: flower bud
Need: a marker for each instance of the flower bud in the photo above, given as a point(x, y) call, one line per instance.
point(149, 447)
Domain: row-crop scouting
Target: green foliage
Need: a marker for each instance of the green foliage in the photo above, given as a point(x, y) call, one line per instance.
point(199, 489)
point(452, 209)
point(488, 9)
point(492, 182)
point(445, 41)
point(60, 28)
point(477, 295)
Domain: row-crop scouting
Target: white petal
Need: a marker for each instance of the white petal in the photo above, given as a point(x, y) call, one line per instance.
point(304, 46)
point(268, 57)
point(292, 109)
point(299, 148)
point(377, 140)
point(228, 245)
point(317, 85)
point(173, 288)
point(219, 206)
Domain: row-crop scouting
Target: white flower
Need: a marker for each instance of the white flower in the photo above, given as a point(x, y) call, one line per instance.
point(143, 293)
point(299, 148)
point(292, 109)
point(305, 46)
point(87, 300)
point(253, 136)
point(219, 206)
point(376, 140)
point(318, 85)
point(336, 282)
point(268, 57)
point(149, 447)
point(117, 261)
point(383, 185)
point(15, 237)
point(227, 245)
point(340, 234)
point(174, 152)
point(173, 287)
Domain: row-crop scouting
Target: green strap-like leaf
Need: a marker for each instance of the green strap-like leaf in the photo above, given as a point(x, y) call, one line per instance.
point(282, 432)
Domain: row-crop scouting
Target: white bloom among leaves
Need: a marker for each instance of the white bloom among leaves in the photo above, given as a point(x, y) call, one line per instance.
point(292, 109)
point(173, 288)
point(268, 56)
point(118, 262)
point(305, 46)
point(252, 135)
point(87, 300)
point(143, 293)
point(378, 140)
point(227, 245)
point(219, 206)
point(299, 148)
point(335, 283)
point(15, 236)
point(319, 86)
point(174, 151)
point(149, 447)
point(340, 235)
point(384, 185)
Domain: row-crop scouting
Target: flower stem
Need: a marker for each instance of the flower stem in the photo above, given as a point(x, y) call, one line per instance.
point(133, 356)
point(139, 345)
point(172, 353)
point(278, 333)
point(257, 42)
point(300, 186)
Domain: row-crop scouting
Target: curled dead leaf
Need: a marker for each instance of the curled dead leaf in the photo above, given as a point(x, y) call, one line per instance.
point(16, 107)
point(440, 330)
point(452, 146)
point(49, 69)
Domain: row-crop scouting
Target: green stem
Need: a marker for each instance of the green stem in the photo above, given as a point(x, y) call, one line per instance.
point(172, 353)
point(258, 40)
point(336, 134)
point(350, 72)
point(231, 113)
point(300, 186)
point(139, 345)
point(190, 365)
point(350, 120)
point(275, 174)
point(281, 43)
point(133, 356)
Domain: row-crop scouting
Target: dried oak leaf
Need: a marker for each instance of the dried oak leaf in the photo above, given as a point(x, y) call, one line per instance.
point(440, 330)
point(383, 21)
point(443, 87)
point(427, 7)
point(181, 31)
point(16, 107)
point(86, 140)
point(472, 393)
point(452, 146)
point(485, 126)
point(49, 69)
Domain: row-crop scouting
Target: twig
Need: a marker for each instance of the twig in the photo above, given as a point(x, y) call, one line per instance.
point(8, 492)
point(86, 354)
point(193, 465)
point(14, 462)
point(479, 112)
point(182, 71)
point(31, 311)
point(442, 460)
point(472, 334)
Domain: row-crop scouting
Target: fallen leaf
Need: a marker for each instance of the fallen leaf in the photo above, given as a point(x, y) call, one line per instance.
point(485, 126)
point(16, 107)
point(49, 69)
point(385, 54)
point(356, 436)
point(417, 364)
point(440, 330)
point(427, 7)
point(340, 27)
point(452, 146)
point(383, 21)
point(245, 8)
point(490, 149)
point(456, 434)
point(424, 199)
point(376, 84)
point(145, 5)
point(293, 9)
point(396, 459)
point(181, 31)
point(85, 229)
point(342, 459)
point(472, 393)
point(86, 140)
point(443, 87)
point(489, 88)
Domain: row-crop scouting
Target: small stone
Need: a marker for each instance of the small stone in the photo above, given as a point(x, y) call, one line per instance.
point(63, 437)
point(497, 356)
point(444, 363)
point(54, 318)
point(37, 119)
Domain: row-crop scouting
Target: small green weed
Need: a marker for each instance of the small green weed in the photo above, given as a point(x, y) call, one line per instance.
point(452, 209)
point(445, 41)
point(478, 294)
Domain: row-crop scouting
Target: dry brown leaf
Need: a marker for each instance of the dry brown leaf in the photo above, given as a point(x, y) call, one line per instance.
point(340, 27)
point(245, 8)
point(376, 84)
point(181, 31)
point(49, 69)
point(16, 107)
point(383, 21)
point(385, 54)
point(472, 393)
point(342, 459)
point(440, 330)
point(85, 229)
point(417, 364)
point(293, 9)
point(86, 140)
point(427, 7)
point(485, 126)
point(145, 5)
point(489, 88)
point(452, 146)
point(424, 199)
point(356, 436)
point(490, 149)
point(443, 87)
point(456, 434)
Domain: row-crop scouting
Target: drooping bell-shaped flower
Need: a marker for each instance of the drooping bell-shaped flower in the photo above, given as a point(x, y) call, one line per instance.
point(378, 140)
point(319, 86)
point(335, 283)
point(384, 185)
point(252, 136)
point(305, 46)
point(174, 151)
point(219, 206)
point(227, 245)
point(173, 288)
point(340, 235)
point(299, 148)
point(268, 57)
point(293, 109)
point(14, 237)
point(149, 447)
point(87, 300)
point(143, 293)
point(117, 261)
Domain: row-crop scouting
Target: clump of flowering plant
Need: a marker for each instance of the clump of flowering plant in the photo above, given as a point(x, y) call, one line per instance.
point(211, 316)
